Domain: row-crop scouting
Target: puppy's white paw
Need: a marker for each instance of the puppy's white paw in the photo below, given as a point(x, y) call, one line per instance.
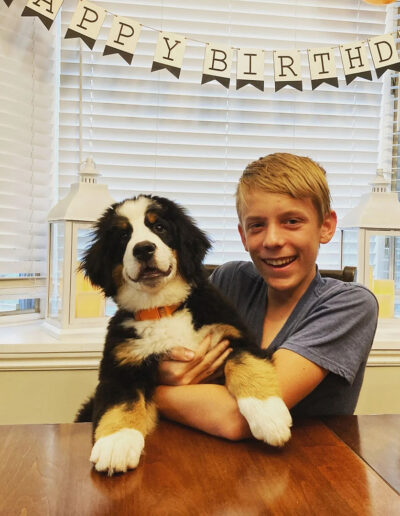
point(118, 452)
point(269, 419)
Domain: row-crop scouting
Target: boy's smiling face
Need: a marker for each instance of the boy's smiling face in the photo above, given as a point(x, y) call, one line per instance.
point(282, 235)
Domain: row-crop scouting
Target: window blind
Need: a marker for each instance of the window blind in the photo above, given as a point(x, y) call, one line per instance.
point(149, 132)
point(28, 130)
point(393, 124)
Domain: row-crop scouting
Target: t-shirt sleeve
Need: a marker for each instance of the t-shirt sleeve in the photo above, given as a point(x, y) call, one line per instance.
point(227, 280)
point(337, 333)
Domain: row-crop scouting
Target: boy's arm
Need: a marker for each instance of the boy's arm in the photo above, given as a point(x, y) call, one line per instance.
point(205, 406)
point(214, 410)
point(297, 375)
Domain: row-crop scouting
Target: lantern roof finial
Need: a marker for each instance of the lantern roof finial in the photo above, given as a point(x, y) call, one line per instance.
point(379, 183)
point(88, 172)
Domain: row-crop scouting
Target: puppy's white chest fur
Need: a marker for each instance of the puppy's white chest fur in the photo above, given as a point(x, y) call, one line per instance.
point(158, 336)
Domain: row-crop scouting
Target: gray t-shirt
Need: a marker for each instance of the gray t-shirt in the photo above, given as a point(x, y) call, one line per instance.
point(333, 325)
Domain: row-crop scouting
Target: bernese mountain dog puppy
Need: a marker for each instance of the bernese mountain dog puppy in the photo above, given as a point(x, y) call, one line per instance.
point(147, 254)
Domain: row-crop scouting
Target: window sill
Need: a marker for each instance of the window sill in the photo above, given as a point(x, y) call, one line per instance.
point(29, 346)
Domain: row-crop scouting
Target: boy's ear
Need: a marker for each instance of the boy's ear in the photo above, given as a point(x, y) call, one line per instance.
point(328, 227)
point(242, 236)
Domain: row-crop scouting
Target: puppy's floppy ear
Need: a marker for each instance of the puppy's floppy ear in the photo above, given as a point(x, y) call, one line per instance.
point(192, 244)
point(97, 263)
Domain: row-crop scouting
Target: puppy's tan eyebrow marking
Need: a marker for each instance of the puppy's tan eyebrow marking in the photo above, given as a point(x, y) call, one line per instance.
point(151, 217)
point(121, 222)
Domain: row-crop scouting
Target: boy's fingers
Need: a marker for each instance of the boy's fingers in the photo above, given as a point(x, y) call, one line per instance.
point(215, 370)
point(180, 354)
point(206, 366)
point(204, 347)
point(216, 352)
point(220, 360)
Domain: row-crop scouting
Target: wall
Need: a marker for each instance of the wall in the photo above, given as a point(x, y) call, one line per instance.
point(380, 391)
point(55, 396)
point(43, 396)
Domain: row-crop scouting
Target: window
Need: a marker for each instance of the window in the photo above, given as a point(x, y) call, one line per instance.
point(28, 131)
point(150, 132)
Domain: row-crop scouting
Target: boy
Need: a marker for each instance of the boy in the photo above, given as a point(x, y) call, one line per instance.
point(319, 330)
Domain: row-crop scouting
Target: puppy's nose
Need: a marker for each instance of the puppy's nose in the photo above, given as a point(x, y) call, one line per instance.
point(143, 251)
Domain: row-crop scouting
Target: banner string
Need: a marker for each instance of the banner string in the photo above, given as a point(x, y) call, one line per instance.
point(394, 34)
point(87, 29)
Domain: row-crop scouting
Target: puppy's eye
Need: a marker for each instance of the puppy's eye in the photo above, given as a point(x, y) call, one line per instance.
point(125, 235)
point(159, 228)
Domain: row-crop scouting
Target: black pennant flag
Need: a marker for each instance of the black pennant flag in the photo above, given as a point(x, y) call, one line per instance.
point(380, 71)
point(333, 81)
point(47, 22)
point(222, 80)
point(112, 50)
point(298, 85)
point(8, 2)
point(162, 66)
point(243, 82)
point(364, 75)
point(70, 34)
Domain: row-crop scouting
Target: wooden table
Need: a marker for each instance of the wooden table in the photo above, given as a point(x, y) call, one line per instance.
point(340, 466)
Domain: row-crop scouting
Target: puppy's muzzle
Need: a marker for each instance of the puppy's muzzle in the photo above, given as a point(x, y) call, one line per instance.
point(144, 251)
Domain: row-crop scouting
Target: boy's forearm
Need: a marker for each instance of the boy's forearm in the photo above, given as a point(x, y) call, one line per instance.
point(207, 407)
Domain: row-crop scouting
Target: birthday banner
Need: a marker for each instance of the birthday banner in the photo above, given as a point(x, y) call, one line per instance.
point(124, 34)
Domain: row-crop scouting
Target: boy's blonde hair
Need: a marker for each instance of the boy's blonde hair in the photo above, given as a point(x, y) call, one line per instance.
point(284, 173)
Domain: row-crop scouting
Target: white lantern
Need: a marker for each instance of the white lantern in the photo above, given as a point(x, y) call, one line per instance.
point(74, 306)
point(370, 240)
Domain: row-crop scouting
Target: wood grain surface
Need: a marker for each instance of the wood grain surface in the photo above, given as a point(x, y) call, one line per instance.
point(45, 470)
point(376, 439)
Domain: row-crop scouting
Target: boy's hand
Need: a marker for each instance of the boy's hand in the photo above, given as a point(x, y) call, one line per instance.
point(182, 366)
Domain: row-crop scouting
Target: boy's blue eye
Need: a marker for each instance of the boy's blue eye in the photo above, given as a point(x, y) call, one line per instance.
point(255, 225)
point(292, 222)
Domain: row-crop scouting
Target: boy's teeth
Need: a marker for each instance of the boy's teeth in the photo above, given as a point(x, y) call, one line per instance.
point(280, 261)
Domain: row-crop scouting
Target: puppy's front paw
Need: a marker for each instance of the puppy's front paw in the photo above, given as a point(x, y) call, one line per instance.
point(118, 452)
point(269, 420)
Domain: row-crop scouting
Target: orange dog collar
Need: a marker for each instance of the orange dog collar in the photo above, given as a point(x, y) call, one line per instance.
point(156, 313)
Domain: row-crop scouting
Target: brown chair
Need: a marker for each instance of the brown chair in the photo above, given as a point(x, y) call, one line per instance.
point(346, 274)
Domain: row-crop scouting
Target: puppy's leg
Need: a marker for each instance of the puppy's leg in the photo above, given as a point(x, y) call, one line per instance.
point(253, 382)
point(119, 435)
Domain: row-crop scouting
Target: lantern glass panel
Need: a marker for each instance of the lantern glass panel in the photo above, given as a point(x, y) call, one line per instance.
point(56, 266)
point(349, 247)
point(89, 300)
point(384, 273)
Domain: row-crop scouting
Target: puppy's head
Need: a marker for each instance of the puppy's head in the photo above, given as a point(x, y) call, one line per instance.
point(144, 243)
